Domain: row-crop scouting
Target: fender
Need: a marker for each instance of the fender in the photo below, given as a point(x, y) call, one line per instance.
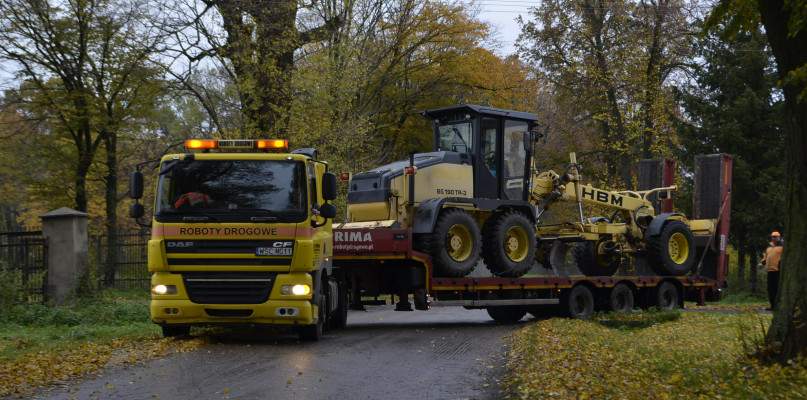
point(657, 223)
point(426, 215)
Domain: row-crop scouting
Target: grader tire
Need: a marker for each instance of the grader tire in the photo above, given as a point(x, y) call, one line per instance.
point(454, 245)
point(591, 263)
point(672, 252)
point(509, 244)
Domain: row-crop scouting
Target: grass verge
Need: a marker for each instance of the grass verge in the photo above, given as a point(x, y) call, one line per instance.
point(697, 355)
point(43, 344)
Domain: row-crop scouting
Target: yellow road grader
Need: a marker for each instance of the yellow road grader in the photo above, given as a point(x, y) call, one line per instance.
point(478, 194)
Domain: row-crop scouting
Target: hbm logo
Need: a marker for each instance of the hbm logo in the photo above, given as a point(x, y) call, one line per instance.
point(352, 237)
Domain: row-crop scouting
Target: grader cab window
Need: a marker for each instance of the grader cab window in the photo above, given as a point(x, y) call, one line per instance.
point(456, 137)
point(515, 158)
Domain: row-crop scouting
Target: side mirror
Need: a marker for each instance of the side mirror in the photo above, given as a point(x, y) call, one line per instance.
point(136, 185)
point(328, 187)
point(327, 210)
point(136, 210)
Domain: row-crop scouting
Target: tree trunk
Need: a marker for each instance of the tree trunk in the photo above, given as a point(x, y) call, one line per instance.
point(741, 260)
point(261, 41)
point(788, 332)
point(753, 282)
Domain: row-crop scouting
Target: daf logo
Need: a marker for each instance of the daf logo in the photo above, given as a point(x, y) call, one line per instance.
point(283, 244)
point(179, 244)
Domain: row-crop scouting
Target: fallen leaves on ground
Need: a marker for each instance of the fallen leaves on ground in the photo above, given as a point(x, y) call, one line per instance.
point(700, 355)
point(26, 372)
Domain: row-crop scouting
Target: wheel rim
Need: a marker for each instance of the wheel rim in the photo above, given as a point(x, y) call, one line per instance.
point(678, 248)
point(516, 244)
point(459, 243)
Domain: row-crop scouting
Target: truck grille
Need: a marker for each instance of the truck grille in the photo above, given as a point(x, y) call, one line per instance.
point(229, 287)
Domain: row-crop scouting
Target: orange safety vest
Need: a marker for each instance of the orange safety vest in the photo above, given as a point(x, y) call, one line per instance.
point(193, 199)
point(773, 254)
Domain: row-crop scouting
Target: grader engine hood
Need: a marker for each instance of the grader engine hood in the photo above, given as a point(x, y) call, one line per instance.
point(377, 184)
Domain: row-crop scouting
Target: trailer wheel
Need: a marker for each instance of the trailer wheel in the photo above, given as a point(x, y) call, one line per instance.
point(175, 331)
point(509, 244)
point(665, 297)
point(673, 250)
point(454, 245)
point(591, 263)
point(506, 314)
point(620, 299)
point(578, 302)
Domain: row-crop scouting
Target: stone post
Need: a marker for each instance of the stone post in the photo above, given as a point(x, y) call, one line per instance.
point(68, 259)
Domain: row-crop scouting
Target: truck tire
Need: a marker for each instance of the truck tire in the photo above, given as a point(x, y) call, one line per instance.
point(665, 296)
point(506, 313)
point(454, 245)
point(672, 252)
point(313, 333)
point(176, 331)
point(620, 299)
point(509, 244)
point(591, 262)
point(578, 302)
point(338, 319)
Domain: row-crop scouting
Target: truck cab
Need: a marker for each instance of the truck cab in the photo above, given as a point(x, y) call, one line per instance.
point(239, 236)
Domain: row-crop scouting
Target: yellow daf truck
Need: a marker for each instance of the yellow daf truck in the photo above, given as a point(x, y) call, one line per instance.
point(240, 235)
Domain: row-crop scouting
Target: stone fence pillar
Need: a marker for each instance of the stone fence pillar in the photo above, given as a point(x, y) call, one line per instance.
point(68, 260)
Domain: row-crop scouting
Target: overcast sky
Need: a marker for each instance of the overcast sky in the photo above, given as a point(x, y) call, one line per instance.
point(502, 15)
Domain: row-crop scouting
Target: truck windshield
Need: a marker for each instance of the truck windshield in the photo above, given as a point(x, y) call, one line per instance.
point(234, 190)
point(455, 137)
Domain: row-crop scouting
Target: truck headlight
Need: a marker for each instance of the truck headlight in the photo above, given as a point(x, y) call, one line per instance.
point(164, 289)
point(297, 290)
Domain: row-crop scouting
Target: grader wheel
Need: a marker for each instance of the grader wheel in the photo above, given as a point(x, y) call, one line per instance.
point(454, 245)
point(509, 244)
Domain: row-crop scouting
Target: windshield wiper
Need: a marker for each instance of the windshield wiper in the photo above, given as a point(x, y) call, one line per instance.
point(263, 219)
point(201, 218)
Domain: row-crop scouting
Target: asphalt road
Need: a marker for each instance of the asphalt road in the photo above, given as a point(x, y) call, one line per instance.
point(443, 353)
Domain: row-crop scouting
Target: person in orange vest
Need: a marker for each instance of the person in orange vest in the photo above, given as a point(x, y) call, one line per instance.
point(192, 199)
point(771, 259)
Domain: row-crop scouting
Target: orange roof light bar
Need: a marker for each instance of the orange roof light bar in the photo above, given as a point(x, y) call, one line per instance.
point(201, 144)
point(271, 144)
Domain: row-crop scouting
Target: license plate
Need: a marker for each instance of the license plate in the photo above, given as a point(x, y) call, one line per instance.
point(272, 251)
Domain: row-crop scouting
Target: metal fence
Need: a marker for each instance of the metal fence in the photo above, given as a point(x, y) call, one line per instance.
point(131, 266)
point(24, 261)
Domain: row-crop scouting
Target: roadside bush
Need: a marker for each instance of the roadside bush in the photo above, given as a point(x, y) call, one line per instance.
point(11, 288)
point(86, 312)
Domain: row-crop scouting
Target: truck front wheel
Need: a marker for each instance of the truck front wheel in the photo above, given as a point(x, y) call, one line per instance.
point(175, 331)
point(339, 317)
point(313, 333)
